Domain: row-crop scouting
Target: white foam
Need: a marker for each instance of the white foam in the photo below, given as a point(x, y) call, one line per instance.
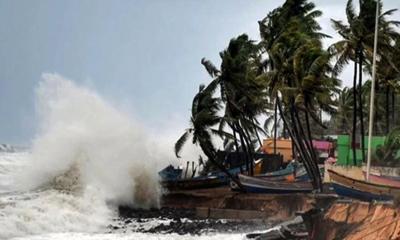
point(52, 211)
point(86, 159)
point(110, 150)
point(136, 236)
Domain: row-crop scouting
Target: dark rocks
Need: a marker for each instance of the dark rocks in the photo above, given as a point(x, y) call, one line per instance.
point(170, 213)
point(180, 221)
point(293, 229)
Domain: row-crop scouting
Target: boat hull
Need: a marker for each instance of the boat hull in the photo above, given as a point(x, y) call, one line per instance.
point(383, 180)
point(259, 185)
point(357, 194)
point(195, 183)
point(362, 190)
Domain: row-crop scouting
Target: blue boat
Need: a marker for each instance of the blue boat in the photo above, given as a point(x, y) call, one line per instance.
point(171, 179)
point(170, 173)
point(360, 195)
point(362, 190)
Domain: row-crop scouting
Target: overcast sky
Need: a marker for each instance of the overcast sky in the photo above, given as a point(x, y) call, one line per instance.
point(142, 55)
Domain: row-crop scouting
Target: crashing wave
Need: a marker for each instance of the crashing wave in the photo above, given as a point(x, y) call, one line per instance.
point(6, 148)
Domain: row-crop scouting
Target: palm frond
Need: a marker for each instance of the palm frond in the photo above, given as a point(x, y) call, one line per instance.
point(181, 141)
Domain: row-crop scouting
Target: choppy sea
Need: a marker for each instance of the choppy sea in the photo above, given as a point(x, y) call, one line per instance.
point(50, 213)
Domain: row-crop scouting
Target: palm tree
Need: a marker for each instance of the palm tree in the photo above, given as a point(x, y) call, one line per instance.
point(343, 116)
point(205, 109)
point(241, 92)
point(287, 69)
point(388, 80)
point(272, 27)
point(357, 46)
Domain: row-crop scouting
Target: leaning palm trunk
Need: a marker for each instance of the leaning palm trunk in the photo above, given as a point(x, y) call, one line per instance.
point(317, 184)
point(309, 134)
point(243, 145)
point(256, 132)
point(387, 109)
point(275, 125)
point(360, 100)
point(306, 145)
point(211, 155)
point(247, 149)
point(310, 141)
point(353, 135)
point(250, 151)
point(393, 105)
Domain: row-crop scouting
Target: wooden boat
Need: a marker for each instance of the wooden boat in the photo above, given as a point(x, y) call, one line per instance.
point(383, 180)
point(194, 183)
point(170, 173)
point(171, 178)
point(260, 185)
point(298, 175)
point(359, 189)
point(289, 170)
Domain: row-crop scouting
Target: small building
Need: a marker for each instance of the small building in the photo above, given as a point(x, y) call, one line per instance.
point(324, 149)
point(345, 149)
point(283, 147)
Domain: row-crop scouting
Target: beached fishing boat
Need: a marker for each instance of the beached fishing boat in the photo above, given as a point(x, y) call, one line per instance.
point(383, 180)
point(362, 190)
point(194, 183)
point(288, 170)
point(170, 173)
point(298, 174)
point(213, 179)
point(260, 185)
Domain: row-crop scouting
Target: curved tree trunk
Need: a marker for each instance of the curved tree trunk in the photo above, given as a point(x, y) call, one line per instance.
point(243, 145)
point(211, 155)
point(256, 132)
point(250, 149)
point(307, 141)
point(317, 184)
point(302, 145)
point(315, 157)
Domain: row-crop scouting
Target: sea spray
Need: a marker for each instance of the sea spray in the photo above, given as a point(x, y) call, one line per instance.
point(51, 211)
point(80, 131)
point(86, 159)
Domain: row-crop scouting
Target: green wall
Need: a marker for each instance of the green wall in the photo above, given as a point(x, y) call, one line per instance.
point(345, 153)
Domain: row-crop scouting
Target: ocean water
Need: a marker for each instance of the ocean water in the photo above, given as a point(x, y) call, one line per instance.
point(86, 159)
point(49, 213)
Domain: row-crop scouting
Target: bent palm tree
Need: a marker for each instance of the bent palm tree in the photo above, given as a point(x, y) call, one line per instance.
point(204, 116)
point(357, 46)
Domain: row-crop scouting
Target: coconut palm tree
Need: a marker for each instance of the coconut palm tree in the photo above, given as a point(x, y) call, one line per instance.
point(288, 34)
point(388, 81)
point(343, 116)
point(357, 46)
point(243, 95)
point(204, 117)
point(272, 27)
